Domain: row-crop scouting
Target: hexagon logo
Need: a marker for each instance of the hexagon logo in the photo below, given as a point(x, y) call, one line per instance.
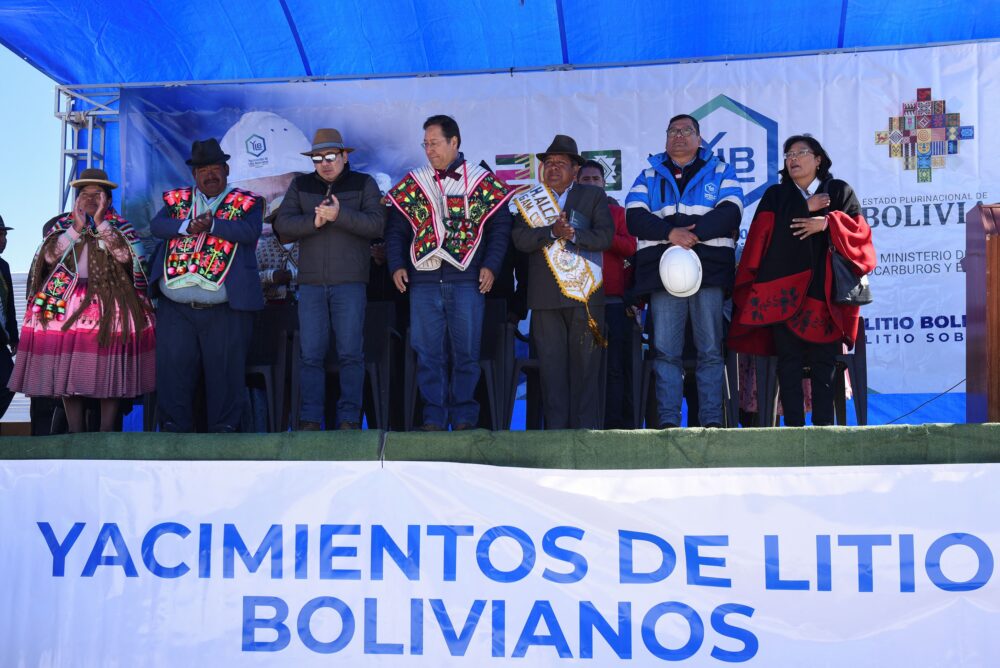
point(744, 138)
point(256, 146)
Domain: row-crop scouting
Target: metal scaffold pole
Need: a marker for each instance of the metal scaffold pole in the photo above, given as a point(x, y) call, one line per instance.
point(84, 112)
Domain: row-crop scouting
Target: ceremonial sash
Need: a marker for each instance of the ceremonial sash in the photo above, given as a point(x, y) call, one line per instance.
point(577, 275)
point(202, 260)
point(447, 216)
point(51, 299)
point(126, 231)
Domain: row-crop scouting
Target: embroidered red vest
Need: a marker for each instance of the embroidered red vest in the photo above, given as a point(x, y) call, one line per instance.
point(202, 259)
point(456, 235)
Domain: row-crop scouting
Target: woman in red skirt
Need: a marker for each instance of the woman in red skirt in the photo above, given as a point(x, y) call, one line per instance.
point(88, 330)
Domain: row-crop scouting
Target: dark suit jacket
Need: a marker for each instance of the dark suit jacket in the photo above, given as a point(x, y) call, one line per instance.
point(10, 334)
point(243, 280)
point(543, 291)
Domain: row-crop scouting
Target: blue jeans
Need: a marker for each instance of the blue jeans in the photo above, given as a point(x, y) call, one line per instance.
point(670, 315)
point(340, 309)
point(447, 316)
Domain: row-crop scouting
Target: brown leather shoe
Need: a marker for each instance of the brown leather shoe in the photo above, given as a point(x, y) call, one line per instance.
point(344, 426)
point(463, 426)
point(430, 426)
point(306, 425)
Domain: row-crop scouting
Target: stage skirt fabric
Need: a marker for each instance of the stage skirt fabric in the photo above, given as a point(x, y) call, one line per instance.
point(51, 362)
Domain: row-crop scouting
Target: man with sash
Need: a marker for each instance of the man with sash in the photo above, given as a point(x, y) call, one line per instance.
point(445, 243)
point(565, 227)
point(686, 197)
point(205, 274)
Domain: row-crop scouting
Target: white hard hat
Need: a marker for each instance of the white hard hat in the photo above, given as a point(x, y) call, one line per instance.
point(264, 144)
point(680, 271)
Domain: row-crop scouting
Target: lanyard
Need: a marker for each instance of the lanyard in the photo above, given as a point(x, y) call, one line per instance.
point(210, 204)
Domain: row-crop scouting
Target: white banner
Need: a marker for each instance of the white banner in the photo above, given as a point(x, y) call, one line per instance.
point(910, 130)
point(116, 563)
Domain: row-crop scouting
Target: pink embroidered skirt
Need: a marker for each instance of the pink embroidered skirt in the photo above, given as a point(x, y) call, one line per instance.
point(51, 362)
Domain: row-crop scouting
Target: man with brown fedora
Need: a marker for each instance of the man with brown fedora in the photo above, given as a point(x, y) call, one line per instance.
point(206, 276)
point(565, 227)
point(333, 213)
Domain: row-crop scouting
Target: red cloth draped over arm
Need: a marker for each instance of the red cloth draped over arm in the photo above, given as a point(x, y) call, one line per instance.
point(742, 338)
point(852, 238)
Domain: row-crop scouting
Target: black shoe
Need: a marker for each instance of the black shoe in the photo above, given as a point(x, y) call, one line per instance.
point(430, 426)
point(344, 426)
point(713, 425)
point(667, 425)
point(306, 425)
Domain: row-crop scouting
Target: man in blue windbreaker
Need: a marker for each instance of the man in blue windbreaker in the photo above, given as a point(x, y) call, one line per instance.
point(687, 197)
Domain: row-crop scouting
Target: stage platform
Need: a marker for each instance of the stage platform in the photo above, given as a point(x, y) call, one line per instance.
point(639, 449)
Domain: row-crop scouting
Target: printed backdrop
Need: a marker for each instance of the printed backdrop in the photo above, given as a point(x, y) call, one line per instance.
point(906, 129)
point(121, 563)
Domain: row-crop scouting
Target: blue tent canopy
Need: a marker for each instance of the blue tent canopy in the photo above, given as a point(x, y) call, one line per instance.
point(132, 41)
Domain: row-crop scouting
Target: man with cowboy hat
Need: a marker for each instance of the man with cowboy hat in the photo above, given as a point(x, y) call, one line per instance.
point(565, 227)
point(8, 324)
point(333, 213)
point(206, 276)
point(445, 243)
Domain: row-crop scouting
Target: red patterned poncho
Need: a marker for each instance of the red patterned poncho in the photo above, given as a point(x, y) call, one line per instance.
point(784, 280)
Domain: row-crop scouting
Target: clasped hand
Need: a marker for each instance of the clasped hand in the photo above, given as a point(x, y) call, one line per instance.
point(202, 223)
point(80, 215)
point(561, 229)
point(683, 237)
point(327, 211)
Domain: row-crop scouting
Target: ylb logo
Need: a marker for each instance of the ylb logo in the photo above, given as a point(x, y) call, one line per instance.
point(255, 145)
point(743, 138)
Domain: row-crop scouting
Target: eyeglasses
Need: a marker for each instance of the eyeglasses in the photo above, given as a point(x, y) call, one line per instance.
point(798, 154)
point(329, 157)
point(431, 144)
point(680, 132)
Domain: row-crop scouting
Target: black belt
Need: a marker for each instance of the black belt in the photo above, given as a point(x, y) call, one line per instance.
point(196, 305)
